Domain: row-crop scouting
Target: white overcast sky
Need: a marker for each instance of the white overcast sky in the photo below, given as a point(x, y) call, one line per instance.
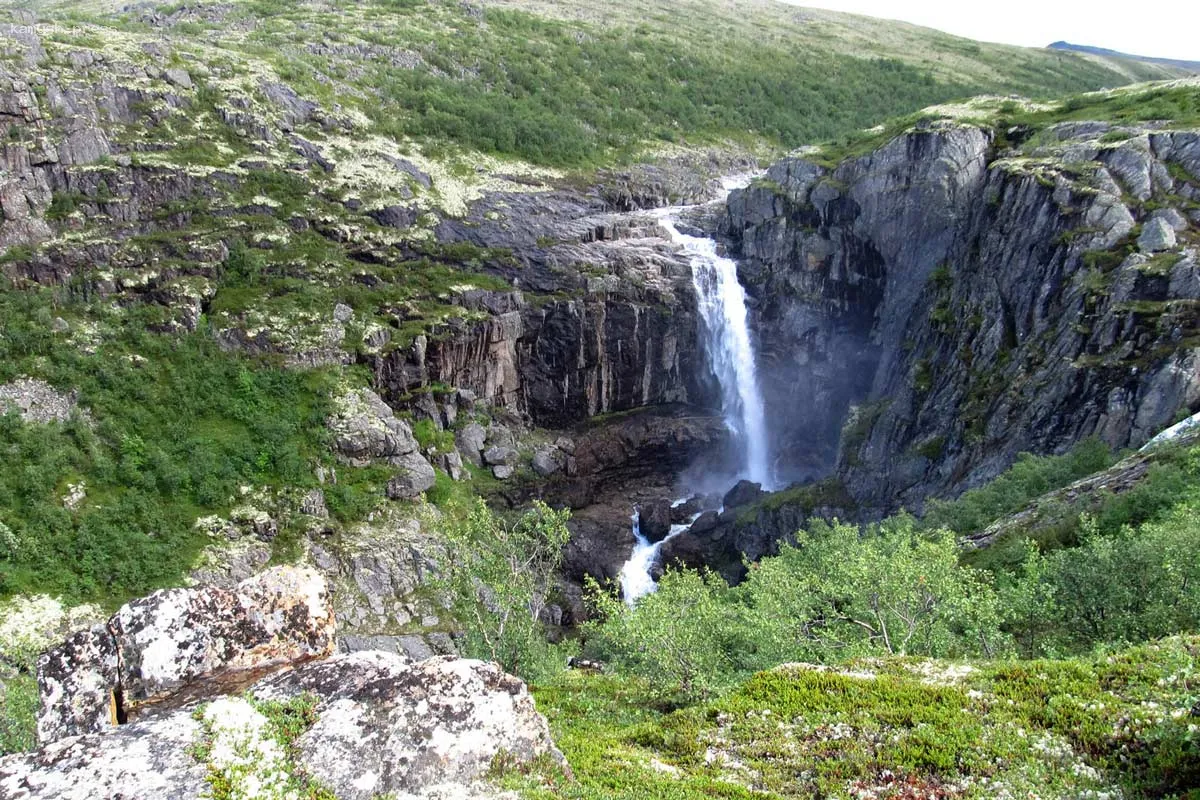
point(1163, 28)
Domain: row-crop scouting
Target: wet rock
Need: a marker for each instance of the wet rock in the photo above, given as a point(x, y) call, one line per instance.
point(743, 493)
point(684, 511)
point(704, 523)
point(654, 519)
point(918, 302)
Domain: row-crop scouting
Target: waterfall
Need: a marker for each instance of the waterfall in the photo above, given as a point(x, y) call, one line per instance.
point(635, 574)
point(636, 580)
point(722, 304)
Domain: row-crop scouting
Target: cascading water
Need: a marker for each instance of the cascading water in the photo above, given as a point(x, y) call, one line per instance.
point(722, 304)
point(636, 580)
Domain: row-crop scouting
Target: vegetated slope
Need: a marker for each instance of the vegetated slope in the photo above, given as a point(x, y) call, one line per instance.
point(211, 211)
point(1183, 66)
point(888, 665)
point(1120, 725)
point(585, 82)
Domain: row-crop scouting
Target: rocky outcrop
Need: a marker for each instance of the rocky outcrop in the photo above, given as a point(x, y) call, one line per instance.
point(173, 642)
point(36, 401)
point(559, 361)
point(413, 728)
point(943, 303)
point(187, 693)
point(376, 724)
point(365, 429)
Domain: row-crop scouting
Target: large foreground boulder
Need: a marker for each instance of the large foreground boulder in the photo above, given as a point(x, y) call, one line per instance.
point(375, 724)
point(179, 641)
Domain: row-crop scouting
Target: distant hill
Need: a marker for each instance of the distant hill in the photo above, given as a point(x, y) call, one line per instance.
point(1189, 67)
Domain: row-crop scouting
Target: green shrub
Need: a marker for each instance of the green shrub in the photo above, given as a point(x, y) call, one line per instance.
point(170, 434)
point(1125, 587)
point(684, 638)
point(832, 595)
point(1026, 480)
point(499, 578)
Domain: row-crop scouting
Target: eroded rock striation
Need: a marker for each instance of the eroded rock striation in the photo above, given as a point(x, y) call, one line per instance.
point(948, 300)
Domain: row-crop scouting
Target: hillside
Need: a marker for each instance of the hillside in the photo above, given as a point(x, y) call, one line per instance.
point(574, 83)
point(412, 293)
point(212, 213)
point(1185, 67)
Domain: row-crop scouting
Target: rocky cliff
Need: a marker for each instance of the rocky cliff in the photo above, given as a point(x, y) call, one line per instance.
point(965, 292)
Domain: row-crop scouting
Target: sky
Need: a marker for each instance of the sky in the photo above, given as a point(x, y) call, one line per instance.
point(1165, 28)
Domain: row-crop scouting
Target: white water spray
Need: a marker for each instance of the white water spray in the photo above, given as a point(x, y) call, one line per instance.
point(635, 577)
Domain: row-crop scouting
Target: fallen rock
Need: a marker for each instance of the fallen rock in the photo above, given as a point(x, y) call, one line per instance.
point(178, 640)
point(416, 475)
point(381, 725)
point(502, 472)
point(365, 428)
point(654, 519)
point(548, 461)
point(1157, 236)
point(743, 493)
point(469, 441)
point(499, 455)
point(686, 511)
point(452, 463)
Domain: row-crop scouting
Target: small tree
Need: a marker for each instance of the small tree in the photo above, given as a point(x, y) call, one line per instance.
point(681, 638)
point(838, 594)
point(498, 578)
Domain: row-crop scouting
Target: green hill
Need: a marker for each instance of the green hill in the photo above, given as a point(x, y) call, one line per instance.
point(584, 82)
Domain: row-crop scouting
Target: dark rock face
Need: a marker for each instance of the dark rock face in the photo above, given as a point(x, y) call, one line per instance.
point(741, 494)
point(618, 466)
point(936, 309)
point(561, 362)
point(654, 519)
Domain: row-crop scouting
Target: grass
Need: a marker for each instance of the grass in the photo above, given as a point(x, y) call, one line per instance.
point(567, 85)
point(887, 728)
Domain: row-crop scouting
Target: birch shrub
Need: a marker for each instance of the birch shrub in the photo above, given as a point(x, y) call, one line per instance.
point(498, 578)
